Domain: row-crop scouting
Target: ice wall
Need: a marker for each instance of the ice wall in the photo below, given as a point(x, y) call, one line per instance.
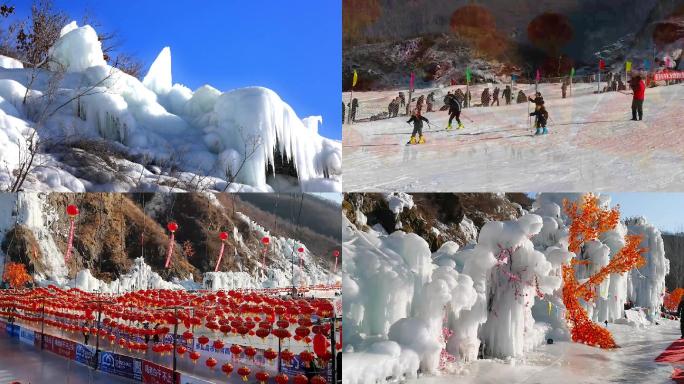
point(647, 284)
point(32, 211)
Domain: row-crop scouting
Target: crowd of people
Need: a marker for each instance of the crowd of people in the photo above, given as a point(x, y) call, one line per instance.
point(455, 100)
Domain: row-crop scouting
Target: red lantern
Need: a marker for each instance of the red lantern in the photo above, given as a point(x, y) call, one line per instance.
point(300, 379)
point(187, 335)
point(265, 240)
point(218, 344)
point(318, 380)
point(286, 355)
point(223, 236)
point(262, 333)
point(336, 253)
point(211, 363)
point(281, 333)
point(250, 352)
point(172, 226)
point(320, 345)
point(181, 350)
point(306, 356)
point(300, 249)
point(72, 210)
point(302, 331)
point(227, 368)
point(203, 340)
point(235, 350)
point(194, 356)
point(282, 379)
point(262, 377)
point(244, 372)
point(270, 354)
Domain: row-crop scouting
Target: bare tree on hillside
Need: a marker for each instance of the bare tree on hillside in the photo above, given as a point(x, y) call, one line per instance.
point(251, 144)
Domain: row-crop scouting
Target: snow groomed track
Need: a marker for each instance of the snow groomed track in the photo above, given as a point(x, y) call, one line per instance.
point(592, 145)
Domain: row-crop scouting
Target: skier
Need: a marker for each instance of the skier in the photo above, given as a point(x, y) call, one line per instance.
point(564, 88)
point(680, 313)
point(485, 97)
point(521, 97)
point(538, 99)
point(402, 99)
point(639, 89)
point(454, 110)
point(621, 85)
point(393, 107)
point(354, 107)
point(495, 96)
point(541, 117)
point(460, 96)
point(419, 103)
point(430, 100)
point(343, 110)
point(417, 121)
point(507, 95)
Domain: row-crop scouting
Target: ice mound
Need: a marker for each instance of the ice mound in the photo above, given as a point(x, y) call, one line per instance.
point(77, 49)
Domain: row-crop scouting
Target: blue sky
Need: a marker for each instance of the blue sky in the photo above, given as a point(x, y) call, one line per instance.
point(663, 209)
point(292, 47)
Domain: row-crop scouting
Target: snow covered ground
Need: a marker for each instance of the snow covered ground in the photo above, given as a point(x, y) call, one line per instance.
point(95, 128)
point(569, 363)
point(592, 145)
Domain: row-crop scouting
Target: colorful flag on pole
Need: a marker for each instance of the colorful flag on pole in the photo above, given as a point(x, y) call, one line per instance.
point(602, 64)
point(412, 81)
point(628, 66)
point(356, 78)
point(572, 72)
point(513, 77)
point(647, 65)
point(538, 76)
point(467, 74)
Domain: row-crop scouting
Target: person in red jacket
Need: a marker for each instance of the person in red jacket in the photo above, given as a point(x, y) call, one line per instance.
point(639, 88)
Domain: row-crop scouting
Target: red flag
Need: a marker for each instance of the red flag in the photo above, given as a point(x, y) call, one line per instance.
point(413, 78)
point(538, 75)
point(602, 64)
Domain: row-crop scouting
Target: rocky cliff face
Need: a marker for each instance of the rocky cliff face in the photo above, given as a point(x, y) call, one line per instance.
point(436, 217)
point(427, 37)
point(112, 230)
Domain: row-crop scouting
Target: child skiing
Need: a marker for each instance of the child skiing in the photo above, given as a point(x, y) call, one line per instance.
point(454, 110)
point(417, 121)
point(541, 117)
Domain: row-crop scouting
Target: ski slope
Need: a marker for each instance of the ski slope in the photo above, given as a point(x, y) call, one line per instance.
point(592, 145)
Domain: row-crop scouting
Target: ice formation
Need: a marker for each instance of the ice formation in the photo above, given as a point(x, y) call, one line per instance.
point(207, 139)
point(647, 284)
point(31, 211)
point(501, 296)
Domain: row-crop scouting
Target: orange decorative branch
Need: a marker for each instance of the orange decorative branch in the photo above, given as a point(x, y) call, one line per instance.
point(588, 222)
point(16, 275)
